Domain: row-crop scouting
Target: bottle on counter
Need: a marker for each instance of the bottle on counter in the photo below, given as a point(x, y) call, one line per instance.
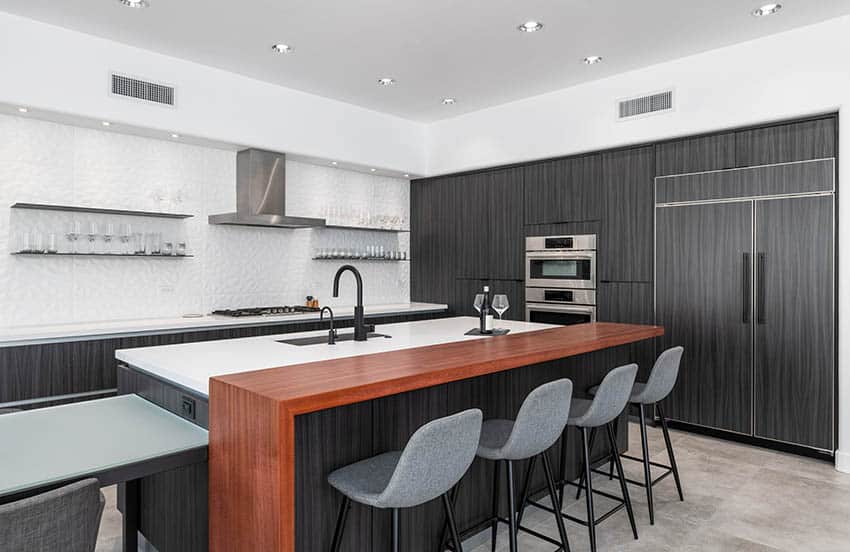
point(485, 316)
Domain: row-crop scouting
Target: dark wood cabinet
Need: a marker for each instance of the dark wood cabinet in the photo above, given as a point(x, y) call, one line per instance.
point(805, 140)
point(704, 259)
point(435, 244)
point(629, 303)
point(563, 190)
point(690, 155)
point(505, 239)
point(625, 241)
point(466, 288)
point(794, 348)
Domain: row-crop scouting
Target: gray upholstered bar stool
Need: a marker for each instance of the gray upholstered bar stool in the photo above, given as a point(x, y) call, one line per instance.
point(609, 402)
point(661, 381)
point(433, 461)
point(66, 519)
point(540, 421)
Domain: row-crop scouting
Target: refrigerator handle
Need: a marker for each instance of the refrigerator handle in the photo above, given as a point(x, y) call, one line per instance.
point(762, 316)
point(745, 285)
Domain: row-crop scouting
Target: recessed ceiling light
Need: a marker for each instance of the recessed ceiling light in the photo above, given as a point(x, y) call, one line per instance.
point(135, 3)
point(591, 60)
point(283, 48)
point(406, 175)
point(105, 123)
point(530, 26)
point(767, 9)
point(23, 110)
point(386, 81)
point(373, 170)
point(334, 163)
point(448, 101)
point(175, 135)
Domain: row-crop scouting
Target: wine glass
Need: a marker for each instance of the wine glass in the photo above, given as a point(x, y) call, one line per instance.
point(500, 305)
point(126, 230)
point(73, 234)
point(92, 235)
point(479, 299)
point(108, 233)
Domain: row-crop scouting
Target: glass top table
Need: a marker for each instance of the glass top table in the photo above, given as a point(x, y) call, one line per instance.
point(115, 439)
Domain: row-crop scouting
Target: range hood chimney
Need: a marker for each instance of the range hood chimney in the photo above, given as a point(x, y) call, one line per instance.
point(261, 193)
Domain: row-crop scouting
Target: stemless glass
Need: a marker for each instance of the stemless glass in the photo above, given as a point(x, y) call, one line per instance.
point(73, 234)
point(92, 235)
point(479, 299)
point(108, 233)
point(500, 305)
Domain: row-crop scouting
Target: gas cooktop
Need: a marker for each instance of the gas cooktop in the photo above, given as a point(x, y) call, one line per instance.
point(265, 311)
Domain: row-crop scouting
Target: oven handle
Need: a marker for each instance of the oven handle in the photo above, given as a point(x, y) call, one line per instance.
point(548, 255)
point(577, 309)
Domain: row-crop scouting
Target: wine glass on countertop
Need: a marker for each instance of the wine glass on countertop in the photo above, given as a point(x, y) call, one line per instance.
point(501, 305)
point(479, 299)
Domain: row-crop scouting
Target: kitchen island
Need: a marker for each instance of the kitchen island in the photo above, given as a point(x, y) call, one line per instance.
point(282, 416)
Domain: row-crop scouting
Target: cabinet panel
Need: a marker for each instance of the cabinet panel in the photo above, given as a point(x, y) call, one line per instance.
point(704, 277)
point(505, 239)
point(434, 244)
point(788, 142)
point(795, 325)
point(563, 190)
point(703, 153)
point(629, 303)
point(466, 288)
point(625, 245)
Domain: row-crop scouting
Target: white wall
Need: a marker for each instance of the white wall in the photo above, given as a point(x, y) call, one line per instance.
point(800, 72)
point(54, 69)
point(44, 162)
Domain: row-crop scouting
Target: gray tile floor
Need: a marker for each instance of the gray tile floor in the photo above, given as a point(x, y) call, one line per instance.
point(737, 498)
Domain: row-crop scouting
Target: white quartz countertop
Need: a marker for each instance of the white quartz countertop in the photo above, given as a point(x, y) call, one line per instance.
point(29, 335)
point(190, 365)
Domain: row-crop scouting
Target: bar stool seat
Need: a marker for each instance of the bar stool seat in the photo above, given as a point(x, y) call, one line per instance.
point(364, 481)
point(432, 462)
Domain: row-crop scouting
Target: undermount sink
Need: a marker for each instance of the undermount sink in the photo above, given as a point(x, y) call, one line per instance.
point(323, 339)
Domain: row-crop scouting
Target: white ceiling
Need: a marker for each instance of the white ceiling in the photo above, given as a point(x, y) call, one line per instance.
point(467, 50)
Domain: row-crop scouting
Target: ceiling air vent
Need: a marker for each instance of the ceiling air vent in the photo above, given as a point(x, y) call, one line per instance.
point(130, 87)
point(645, 105)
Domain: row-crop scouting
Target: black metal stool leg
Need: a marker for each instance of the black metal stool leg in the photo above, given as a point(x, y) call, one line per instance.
point(562, 468)
point(673, 465)
point(494, 526)
point(395, 530)
point(623, 487)
point(591, 522)
point(511, 506)
point(647, 473)
point(616, 433)
point(556, 505)
point(336, 544)
point(453, 499)
point(450, 517)
point(583, 472)
point(526, 489)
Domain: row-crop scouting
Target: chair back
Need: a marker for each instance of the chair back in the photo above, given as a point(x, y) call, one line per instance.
point(434, 460)
point(67, 519)
point(663, 376)
point(611, 397)
point(540, 421)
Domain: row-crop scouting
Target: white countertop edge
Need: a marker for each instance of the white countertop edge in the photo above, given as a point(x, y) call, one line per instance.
point(35, 335)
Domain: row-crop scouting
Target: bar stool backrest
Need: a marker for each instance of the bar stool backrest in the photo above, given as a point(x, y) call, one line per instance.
point(66, 519)
point(434, 459)
point(611, 397)
point(662, 378)
point(540, 421)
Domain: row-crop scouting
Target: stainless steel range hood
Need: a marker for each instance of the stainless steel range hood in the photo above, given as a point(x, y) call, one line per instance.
point(261, 193)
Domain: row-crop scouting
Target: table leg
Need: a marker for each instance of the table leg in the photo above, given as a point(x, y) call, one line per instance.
point(131, 515)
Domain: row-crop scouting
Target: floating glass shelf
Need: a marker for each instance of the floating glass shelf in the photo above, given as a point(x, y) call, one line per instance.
point(96, 210)
point(365, 228)
point(127, 255)
point(378, 259)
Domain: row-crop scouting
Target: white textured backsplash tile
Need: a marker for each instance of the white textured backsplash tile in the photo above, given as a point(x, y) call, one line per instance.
point(43, 162)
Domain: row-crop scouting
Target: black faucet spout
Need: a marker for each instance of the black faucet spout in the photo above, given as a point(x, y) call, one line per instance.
point(361, 330)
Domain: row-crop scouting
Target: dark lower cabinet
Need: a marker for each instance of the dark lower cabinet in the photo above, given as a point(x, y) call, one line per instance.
point(625, 241)
point(703, 274)
point(629, 303)
point(794, 348)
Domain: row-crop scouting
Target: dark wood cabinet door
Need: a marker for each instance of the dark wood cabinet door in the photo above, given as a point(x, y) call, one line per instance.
point(703, 287)
point(625, 243)
point(434, 243)
point(690, 155)
point(505, 239)
point(785, 143)
point(794, 374)
point(563, 190)
point(629, 303)
point(472, 223)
